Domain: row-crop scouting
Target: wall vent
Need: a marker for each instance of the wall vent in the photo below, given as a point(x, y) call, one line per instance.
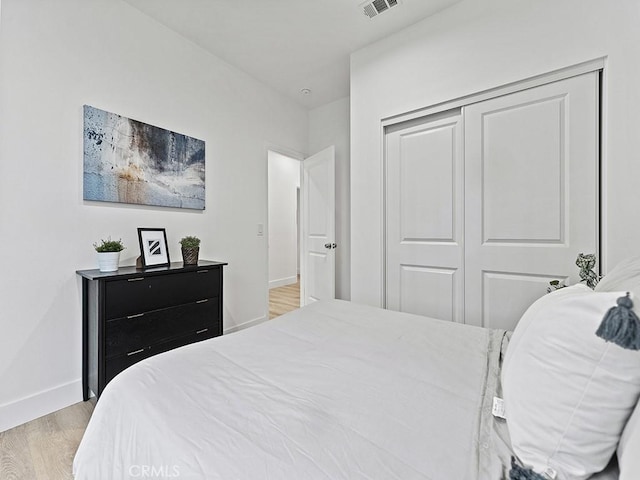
point(374, 8)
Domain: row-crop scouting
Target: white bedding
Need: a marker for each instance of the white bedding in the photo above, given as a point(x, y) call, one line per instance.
point(332, 391)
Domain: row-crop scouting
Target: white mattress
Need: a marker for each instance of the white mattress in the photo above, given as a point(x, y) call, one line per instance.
point(332, 391)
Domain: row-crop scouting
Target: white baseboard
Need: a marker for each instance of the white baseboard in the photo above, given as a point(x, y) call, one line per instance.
point(47, 401)
point(39, 404)
point(247, 324)
point(281, 282)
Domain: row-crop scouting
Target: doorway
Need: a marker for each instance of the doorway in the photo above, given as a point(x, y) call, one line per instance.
point(284, 233)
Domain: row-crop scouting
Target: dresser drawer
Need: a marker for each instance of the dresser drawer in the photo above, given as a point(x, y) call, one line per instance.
point(146, 293)
point(117, 364)
point(132, 334)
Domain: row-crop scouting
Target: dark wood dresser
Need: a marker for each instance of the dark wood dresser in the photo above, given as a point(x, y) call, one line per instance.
point(132, 314)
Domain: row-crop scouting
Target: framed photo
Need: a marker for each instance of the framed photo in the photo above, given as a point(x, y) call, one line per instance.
point(153, 247)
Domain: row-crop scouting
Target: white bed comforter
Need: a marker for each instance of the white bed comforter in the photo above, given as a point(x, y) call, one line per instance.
point(332, 391)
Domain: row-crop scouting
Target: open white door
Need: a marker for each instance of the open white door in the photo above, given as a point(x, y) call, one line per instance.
point(317, 269)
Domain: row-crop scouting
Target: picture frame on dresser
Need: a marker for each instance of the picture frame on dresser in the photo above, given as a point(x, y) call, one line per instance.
point(153, 247)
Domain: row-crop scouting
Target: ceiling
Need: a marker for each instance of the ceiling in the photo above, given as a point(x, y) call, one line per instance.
point(289, 45)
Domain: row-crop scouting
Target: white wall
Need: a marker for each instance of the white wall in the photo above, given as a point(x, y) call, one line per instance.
point(329, 125)
point(55, 57)
point(284, 181)
point(477, 45)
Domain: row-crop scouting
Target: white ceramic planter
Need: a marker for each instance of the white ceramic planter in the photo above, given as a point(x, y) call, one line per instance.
point(108, 261)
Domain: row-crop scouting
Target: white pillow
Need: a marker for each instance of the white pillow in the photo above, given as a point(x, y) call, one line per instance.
point(629, 448)
point(625, 276)
point(567, 392)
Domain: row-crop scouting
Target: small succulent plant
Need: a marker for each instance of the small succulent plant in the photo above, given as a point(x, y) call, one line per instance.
point(109, 245)
point(190, 242)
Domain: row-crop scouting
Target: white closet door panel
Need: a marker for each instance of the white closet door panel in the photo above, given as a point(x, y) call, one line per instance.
point(424, 218)
point(531, 171)
point(523, 172)
point(440, 283)
point(506, 294)
point(426, 184)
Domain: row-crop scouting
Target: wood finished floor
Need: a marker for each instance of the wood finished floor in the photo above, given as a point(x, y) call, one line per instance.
point(284, 299)
point(43, 449)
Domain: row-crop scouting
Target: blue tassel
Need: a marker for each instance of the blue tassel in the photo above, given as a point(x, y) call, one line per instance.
point(520, 473)
point(621, 325)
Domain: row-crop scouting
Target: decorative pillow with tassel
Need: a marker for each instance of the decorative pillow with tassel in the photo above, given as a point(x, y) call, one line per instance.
point(622, 325)
point(568, 392)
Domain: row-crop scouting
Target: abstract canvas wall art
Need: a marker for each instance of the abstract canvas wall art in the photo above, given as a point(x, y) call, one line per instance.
point(128, 161)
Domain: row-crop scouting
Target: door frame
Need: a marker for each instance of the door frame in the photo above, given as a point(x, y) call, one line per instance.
point(596, 65)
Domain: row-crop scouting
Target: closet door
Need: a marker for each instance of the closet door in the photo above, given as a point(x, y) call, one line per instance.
point(531, 169)
point(424, 217)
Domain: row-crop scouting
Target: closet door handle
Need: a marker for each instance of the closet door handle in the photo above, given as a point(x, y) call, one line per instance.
point(137, 351)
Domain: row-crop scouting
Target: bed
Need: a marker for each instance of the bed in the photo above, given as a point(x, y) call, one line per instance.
point(335, 390)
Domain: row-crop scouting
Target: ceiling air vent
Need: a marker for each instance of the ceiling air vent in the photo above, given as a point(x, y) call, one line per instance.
point(376, 7)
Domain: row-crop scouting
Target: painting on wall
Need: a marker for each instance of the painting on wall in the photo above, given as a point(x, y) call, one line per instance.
point(128, 161)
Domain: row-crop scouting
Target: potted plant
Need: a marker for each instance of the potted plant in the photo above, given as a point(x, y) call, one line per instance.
point(109, 254)
point(190, 250)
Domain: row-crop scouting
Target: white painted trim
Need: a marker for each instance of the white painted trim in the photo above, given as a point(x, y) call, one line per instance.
point(39, 404)
point(604, 180)
point(383, 213)
point(531, 82)
point(247, 324)
point(287, 152)
point(302, 241)
point(281, 282)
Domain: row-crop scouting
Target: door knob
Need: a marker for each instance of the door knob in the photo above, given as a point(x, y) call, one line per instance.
point(327, 245)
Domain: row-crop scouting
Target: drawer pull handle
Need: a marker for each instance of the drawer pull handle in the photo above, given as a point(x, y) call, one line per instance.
point(135, 279)
point(135, 316)
point(137, 351)
point(202, 331)
point(203, 301)
point(202, 271)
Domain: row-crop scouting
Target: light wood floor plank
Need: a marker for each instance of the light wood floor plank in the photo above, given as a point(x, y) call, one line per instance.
point(15, 455)
point(284, 299)
point(43, 449)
